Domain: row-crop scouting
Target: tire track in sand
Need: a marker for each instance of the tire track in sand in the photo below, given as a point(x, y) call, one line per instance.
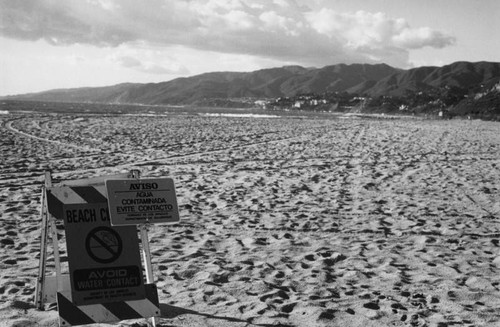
point(193, 154)
point(9, 126)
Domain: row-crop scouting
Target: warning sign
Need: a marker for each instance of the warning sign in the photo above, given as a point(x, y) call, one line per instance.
point(99, 278)
point(103, 244)
point(133, 202)
point(104, 261)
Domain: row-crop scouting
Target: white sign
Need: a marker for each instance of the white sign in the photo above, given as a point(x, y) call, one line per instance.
point(138, 201)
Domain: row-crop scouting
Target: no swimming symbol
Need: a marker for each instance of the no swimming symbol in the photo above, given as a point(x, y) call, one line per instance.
point(103, 244)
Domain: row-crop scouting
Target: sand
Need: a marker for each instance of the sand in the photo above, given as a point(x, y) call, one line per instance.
point(284, 221)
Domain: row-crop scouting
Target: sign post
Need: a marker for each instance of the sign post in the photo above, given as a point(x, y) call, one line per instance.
point(40, 285)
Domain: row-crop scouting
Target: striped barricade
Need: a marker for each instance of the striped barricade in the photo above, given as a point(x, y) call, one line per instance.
point(71, 314)
point(93, 258)
point(57, 197)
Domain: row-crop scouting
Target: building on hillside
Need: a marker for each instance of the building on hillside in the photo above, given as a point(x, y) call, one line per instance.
point(298, 104)
point(261, 103)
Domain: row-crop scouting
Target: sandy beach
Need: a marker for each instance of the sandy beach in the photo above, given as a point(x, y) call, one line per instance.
point(284, 221)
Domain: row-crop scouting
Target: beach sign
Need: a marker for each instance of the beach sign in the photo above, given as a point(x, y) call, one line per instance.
point(140, 201)
point(104, 261)
point(105, 282)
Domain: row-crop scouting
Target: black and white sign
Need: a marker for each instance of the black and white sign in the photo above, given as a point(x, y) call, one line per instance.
point(104, 261)
point(133, 202)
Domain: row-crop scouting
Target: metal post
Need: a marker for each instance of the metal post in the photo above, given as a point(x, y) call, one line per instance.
point(43, 242)
point(43, 255)
point(57, 259)
point(146, 252)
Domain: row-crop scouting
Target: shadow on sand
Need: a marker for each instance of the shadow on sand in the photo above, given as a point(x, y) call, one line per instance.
point(169, 312)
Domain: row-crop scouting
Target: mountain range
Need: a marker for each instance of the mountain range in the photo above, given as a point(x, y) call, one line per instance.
point(363, 79)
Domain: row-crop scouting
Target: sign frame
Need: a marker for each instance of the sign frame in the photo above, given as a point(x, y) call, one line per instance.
point(50, 288)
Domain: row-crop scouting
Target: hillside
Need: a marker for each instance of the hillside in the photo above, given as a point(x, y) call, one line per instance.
point(225, 87)
point(265, 83)
point(463, 75)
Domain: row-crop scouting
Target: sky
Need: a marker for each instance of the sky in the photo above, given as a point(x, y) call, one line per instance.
point(54, 44)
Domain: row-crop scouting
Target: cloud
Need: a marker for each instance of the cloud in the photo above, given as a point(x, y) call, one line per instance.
point(374, 34)
point(277, 30)
point(127, 61)
point(60, 22)
point(75, 59)
point(422, 37)
point(151, 61)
